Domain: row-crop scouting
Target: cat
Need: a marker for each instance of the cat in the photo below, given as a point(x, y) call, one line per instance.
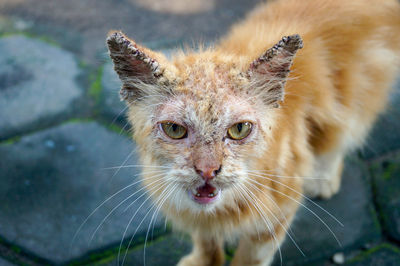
point(236, 129)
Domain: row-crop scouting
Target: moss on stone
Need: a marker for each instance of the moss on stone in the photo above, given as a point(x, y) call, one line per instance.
point(10, 141)
point(385, 187)
point(114, 127)
point(82, 64)
point(108, 255)
point(97, 258)
point(389, 170)
point(78, 120)
point(375, 218)
point(16, 249)
point(31, 35)
point(95, 88)
point(18, 255)
point(9, 245)
point(363, 255)
point(118, 129)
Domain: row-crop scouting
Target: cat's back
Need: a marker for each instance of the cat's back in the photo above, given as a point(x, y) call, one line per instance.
point(337, 22)
point(341, 78)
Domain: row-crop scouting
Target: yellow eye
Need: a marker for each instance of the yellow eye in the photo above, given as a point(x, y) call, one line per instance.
point(173, 130)
point(239, 130)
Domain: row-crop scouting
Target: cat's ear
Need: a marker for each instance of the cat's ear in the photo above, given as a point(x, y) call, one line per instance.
point(137, 67)
point(270, 71)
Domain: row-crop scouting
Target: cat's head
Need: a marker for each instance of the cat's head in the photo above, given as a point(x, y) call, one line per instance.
point(203, 120)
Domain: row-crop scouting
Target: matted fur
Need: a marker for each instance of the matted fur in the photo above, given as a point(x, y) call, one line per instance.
point(338, 84)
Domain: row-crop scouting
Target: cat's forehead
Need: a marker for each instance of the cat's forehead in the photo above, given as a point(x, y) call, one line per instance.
point(216, 108)
point(208, 72)
point(209, 82)
point(208, 95)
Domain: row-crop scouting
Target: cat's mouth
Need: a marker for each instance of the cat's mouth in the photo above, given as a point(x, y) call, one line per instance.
point(205, 194)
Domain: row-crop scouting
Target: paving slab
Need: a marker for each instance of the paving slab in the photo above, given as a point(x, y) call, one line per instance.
point(385, 135)
point(352, 206)
point(81, 26)
point(37, 84)
point(386, 180)
point(382, 255)
point(3, 262)
point(51, 182)
point(110, 103)
point(166, 251)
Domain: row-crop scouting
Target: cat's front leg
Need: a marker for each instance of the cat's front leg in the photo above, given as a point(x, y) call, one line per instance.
point(207, 251)
point(259, 249)
point(327, 175)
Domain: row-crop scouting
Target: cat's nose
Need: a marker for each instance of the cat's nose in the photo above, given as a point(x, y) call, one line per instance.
point(208, 172)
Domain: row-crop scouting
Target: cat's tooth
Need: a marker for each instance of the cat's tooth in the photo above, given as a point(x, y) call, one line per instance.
point(198, 195)
point(211, 195)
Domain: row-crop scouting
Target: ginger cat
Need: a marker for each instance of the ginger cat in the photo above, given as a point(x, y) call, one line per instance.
point(234, 129)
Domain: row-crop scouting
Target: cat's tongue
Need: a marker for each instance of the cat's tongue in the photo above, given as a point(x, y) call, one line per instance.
point(205, 194)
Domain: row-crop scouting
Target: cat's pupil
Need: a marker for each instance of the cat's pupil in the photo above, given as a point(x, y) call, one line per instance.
point(174, 127)
point(239, 127)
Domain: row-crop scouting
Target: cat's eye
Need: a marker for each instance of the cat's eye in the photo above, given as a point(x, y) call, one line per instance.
point(240, 130)
point(174, 131)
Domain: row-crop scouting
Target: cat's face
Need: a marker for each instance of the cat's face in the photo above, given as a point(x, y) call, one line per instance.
point(209, 139)
point(201, 121)
point(205, 134)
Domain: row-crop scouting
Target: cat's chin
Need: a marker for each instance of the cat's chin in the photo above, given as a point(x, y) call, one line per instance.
point(206, 194)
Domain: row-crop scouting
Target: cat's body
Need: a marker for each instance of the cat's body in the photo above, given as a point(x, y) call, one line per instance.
point(217, 186)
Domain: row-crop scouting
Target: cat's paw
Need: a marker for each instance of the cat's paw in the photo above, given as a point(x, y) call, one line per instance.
point(321, 188)
point(196, 260)
point(191, 260)
point(327, 176)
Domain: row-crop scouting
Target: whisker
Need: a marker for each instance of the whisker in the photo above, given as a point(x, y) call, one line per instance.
point(261, 172)
point(163, 182)
point(150, 96)
point(237, 187)
point(155, 216)
point(137, 165)
point(119, 168)
point(165, 222)
point(304, 196)
point(268, 223)
point(123, 201)
point(104, 202)
point(236, 194)
point(304, 206)
point(130, 221)
point(123, 128)
point(284, 216)
point(116, 117)
point(137, 228)
point(276, 218)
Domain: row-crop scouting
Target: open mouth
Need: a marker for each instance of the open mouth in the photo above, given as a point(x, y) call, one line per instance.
point(205, 194)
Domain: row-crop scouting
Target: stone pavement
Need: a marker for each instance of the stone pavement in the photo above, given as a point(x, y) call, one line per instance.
point(63, 131)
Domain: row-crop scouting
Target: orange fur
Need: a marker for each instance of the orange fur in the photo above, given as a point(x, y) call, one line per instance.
point(339, 83)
